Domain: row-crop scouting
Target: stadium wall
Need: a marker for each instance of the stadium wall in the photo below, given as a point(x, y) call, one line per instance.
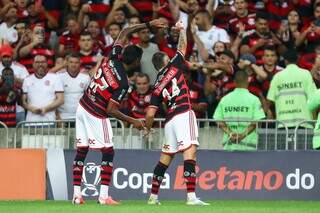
point(23, 174)
point(221, 175)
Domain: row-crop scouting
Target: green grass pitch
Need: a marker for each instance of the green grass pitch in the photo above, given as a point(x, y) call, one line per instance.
point(167, 206)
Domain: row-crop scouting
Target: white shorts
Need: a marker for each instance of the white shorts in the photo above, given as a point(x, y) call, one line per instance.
point(180, 133)
point(92, 132)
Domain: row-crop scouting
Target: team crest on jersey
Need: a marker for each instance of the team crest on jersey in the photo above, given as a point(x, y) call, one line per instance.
point(251, 21)
point(47, 83)
point(147, 98)
point(81, 85)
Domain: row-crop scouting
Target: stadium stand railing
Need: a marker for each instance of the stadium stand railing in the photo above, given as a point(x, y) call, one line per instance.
point(57, 134)
point(268, 135)
point(4, 135)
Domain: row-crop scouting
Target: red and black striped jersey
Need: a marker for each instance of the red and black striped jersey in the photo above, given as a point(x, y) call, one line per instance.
point(278, 10)
point(248, 21)
point(7, 111)
point(110, 83)
point(138, 103)
point(171, 88)
point(69, 41)
point(88, 61)
point(99, 11)
point(145, 9)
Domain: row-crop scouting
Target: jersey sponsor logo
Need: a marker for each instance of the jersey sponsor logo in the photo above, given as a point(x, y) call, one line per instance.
point(114, 70)
point(166, 79)
point(108, 73)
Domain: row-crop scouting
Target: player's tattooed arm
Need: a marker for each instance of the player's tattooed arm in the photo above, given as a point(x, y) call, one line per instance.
point(158, 23)
point(182, 43)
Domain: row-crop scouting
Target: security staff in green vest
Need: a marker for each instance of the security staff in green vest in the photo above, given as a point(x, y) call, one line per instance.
point(290, 90)
point(239, 105)
point(314, 106)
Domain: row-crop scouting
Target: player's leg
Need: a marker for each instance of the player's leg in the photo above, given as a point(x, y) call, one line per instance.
point(104, 142)
point(169, 148)
point(82, 150)
point(188, 143)
point(158, 175)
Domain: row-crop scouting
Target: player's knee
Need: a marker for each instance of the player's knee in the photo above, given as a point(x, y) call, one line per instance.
point(81, 156)
point(189, 168)
point(107, 156)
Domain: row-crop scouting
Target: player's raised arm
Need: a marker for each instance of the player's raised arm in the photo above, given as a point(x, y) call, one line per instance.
point(182, 43)
point(158, 23)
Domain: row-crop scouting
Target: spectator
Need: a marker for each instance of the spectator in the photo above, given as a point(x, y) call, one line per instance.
point(221, 11)
point(119, 12)
point(134, 38)
point(278, 10)
point(69, 40)
point(197, 97)
point(149, 49)
point(315, 63)
point(307, 60)
point(74, 83)
point(24, 36)
point(38, 15)
point(22, 12)
point(242, 16)
point(239, 135)
point(42, 92)
point(221, 73)
point(310, 32)
point(290, 90)
point(87, 56)
point(139, 98)
point(208, 33)
point(184, 11)
point(99, 42)
point(35, 47)
point(8, 98)
point(19, 72)
point(7, 29)
point(268, 69)
point(72, 8)
point(113, 31)
point(290, 29)
point(256, 42)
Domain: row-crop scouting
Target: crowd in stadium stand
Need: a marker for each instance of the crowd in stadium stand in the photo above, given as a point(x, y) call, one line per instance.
point(57, 40)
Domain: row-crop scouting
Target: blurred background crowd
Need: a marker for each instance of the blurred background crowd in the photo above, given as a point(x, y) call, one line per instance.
point(59, 42)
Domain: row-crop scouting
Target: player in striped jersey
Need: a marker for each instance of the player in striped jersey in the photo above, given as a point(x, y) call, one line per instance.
point(102, 98)
point(181, 129)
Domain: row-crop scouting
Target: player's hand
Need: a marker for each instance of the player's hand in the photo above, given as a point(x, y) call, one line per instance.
point(138, 124)
point(179, 25)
